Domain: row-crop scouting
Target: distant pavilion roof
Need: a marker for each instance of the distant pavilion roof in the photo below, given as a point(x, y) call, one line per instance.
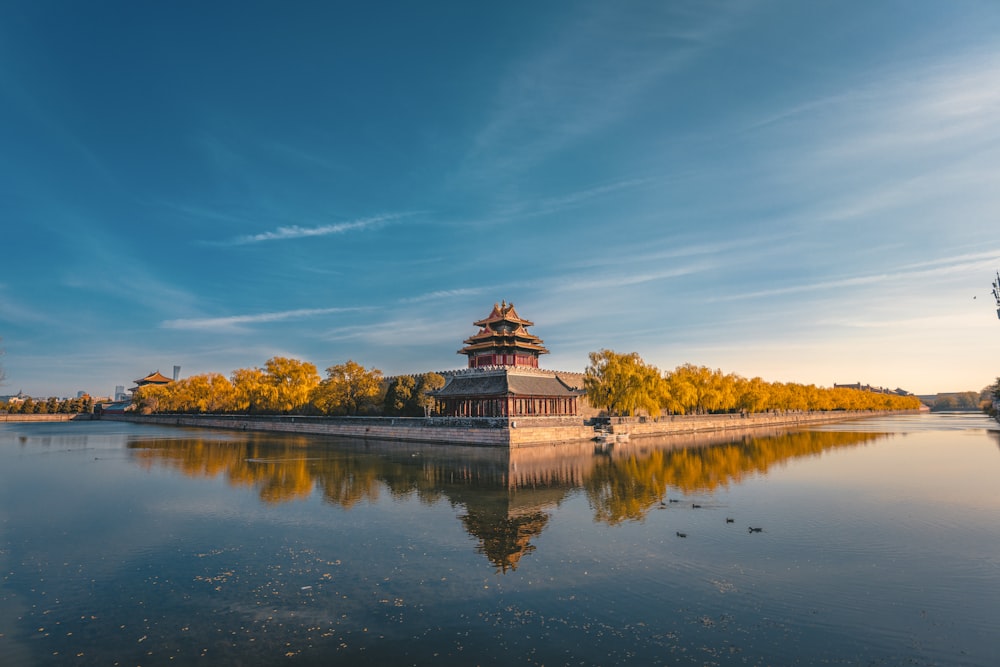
point(155, 377)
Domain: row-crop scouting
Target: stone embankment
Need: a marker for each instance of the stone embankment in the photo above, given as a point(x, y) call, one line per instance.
point(684, 424)
point(451, 430)
point(490, 432)
point(81, 416)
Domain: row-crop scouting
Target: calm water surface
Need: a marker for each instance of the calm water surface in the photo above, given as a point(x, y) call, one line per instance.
point(132, 545)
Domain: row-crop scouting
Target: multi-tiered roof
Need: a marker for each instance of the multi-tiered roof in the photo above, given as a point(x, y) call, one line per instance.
point(503, 378)
point(503, 340)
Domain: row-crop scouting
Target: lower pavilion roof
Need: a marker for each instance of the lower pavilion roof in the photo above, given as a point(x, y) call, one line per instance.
point(507, 381)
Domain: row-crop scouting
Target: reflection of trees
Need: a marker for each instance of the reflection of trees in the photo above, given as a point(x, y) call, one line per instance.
point(628, 484)
point(506, 495)
point(625, 488)
point(279, 473)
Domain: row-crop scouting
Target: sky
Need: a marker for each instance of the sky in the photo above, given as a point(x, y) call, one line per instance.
point(804, 192)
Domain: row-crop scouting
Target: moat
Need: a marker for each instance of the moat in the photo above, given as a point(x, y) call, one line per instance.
point(146, 545)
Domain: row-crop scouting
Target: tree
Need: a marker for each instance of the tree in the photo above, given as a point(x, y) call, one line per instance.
point(251, 391)
point(293, 383)
point(422, 399)
point(348, 389)
point(409, 395)
point(754, 395)
point(700, 389)
point(399, 394)
point(151, 398)
point(209, 392)
point(624, 384)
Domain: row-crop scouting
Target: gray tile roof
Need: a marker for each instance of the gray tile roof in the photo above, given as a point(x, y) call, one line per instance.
point(503, 383)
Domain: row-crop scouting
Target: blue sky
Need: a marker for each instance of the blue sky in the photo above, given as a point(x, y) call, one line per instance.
point(805, 192)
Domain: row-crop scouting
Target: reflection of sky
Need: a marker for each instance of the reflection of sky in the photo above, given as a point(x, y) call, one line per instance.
point(918, 458)
point(852, 545)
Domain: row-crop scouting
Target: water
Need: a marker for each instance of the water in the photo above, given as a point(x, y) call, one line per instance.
point(132, 545)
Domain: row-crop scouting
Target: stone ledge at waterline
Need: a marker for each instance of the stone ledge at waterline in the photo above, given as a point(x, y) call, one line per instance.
point(486, 431)
point(70, 417)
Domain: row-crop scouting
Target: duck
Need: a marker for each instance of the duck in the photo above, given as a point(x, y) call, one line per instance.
point(730, 520)
point(680, 534)
point(695, 506)
point(751, 529)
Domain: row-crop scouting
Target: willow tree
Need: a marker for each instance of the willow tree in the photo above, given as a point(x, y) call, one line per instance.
point(293, 382)
point(283, 386)
point(251, 391)
point(624, 384)
point(348, 389)
point(152, 398)
point(208, 392)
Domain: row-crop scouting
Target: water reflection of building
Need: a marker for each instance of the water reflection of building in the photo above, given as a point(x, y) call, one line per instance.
point(503, 378)
point(506, 496)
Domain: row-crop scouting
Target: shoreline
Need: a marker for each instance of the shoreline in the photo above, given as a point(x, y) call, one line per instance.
point(497, 432)
point(66, 417)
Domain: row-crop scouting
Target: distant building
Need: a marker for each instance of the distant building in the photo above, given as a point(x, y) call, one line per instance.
point(874, 390)
point(156, 378)
point(15, 399)
point(503, 378)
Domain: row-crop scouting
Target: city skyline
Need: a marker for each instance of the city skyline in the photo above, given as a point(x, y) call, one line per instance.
point(799, 192)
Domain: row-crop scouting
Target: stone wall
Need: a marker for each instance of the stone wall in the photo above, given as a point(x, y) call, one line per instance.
point(83, 416)
point(490, 432)
point(523, 432)
point(681, 424)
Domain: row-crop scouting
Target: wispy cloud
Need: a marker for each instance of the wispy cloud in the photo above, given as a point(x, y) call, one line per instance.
point(232, 322)
point(589, 78)
point(13, 311)
point(297, 232)
point(627, 279)
point(963, 264)
point(445, 294)
point(415, 331)
point(898, 124)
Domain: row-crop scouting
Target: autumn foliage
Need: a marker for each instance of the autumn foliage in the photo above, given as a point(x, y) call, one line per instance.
point(289, 386)
point(624, 385)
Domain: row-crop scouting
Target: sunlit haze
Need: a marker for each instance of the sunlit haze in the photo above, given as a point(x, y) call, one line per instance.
point(801, 191)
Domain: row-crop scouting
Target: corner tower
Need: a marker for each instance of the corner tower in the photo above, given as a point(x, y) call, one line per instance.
point(503, 340)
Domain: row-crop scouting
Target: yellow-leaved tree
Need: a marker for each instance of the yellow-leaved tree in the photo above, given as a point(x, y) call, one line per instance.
point(624, 384)
point(251, 391)
point(293, 382)
point(349, 389)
